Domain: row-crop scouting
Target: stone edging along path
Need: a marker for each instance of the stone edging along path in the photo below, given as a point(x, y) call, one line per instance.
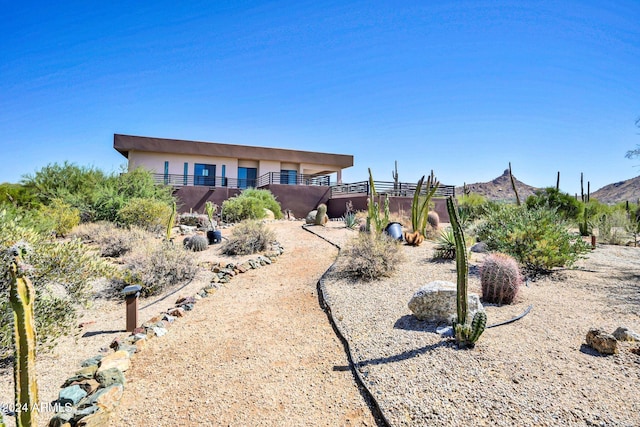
point(89, 396)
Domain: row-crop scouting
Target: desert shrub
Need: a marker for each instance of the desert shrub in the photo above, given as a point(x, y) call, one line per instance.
point(61, 273)
point(193, 220)
point(149, 214)
point(248, 237)
point(567, 206)
point(250, 204)
point(156, 266)
point(612, 227)
point(111, 240)
point(472, 205)
point(500, 279)
point(537, 238)
point(370, 256)
point(63, 217)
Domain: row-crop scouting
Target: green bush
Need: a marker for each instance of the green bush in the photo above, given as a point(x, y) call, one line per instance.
point(248, 237)
point(471, 205)
point(250, 204)
point(567, 206)
point(157, 266)
point(537, 238)
point(369, 257)
point(63, 216)
point(149, 214)
point(61, 273)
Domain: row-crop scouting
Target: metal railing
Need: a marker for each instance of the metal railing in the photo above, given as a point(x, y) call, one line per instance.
point(402, 189)
point(178, 180)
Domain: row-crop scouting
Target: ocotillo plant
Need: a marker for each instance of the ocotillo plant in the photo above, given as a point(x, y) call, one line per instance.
point(21, 296)
point(466, 335)
point(558, 182)
point(513, 185)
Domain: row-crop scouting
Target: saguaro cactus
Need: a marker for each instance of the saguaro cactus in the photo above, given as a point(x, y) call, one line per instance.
point(22, 295)
point(466, 335)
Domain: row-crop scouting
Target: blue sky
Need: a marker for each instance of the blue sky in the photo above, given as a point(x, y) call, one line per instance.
point(460, 87)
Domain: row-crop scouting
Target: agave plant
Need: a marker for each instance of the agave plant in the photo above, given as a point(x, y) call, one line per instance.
point(350, 220)
point(445, 245)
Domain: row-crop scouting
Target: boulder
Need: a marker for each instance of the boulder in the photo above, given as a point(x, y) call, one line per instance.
point(480, 247)
point(625, 334)
point(119, 359)
point(311, 217)
point(436, 302)
point(602, 342)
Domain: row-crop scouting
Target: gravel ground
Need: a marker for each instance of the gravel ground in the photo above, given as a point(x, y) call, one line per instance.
point(261, 352)
point(533, 372)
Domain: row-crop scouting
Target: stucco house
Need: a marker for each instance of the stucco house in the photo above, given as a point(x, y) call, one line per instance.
point(180, 162)
point(202, 171)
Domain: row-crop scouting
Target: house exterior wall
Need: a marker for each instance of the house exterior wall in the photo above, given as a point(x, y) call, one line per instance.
point(155, 162)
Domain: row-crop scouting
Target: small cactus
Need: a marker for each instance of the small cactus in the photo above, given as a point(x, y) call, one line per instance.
point(321, 215)
point(478, 325)
point(500, 278)
point(196, 243)
point(433, 219)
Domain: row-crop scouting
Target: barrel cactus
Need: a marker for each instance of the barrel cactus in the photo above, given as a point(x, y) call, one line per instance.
point(500, 278)
point(196, 243)
point(433, 219)
point(321, 214)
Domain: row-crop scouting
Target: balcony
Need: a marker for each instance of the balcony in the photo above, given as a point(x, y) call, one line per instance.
point(178, 180)
point(401, 189)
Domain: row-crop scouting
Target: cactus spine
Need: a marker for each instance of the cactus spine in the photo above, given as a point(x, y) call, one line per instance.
point(21, 296)
point(321, 215)
point(466, 335)
point(196, 243)
point(172, 220)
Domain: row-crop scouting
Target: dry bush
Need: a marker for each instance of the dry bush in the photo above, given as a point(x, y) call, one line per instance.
point(157, 265)
point(248, 237)
point(369, 257)
point(111, 240)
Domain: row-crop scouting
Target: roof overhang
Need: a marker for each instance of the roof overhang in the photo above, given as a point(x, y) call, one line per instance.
point(125, 143)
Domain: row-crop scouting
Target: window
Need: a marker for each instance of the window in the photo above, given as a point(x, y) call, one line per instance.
point(247, 177)
point(224, 175)
point(186, 173)
point(288, 177)
point(166, 172)
point(204, 174)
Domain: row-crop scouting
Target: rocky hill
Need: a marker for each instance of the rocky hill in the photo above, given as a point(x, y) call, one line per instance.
point(500, 188)
point(619, 191)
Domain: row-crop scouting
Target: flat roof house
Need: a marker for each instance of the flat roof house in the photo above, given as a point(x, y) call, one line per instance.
point(184, 163)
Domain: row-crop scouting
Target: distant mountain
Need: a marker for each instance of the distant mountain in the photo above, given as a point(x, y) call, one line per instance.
point(500, 188)
point(619, 192)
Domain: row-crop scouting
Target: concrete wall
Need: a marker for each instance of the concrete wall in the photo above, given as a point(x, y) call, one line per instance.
point(336, 207)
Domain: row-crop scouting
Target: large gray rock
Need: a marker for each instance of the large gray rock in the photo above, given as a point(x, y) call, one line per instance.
point(436, 302)
point(311, 217)
point(625, 334)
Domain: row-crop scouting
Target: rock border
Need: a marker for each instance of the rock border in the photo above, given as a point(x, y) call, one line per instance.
point(88, 398)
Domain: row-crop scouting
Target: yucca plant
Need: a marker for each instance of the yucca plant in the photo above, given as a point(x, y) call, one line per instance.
point(445, 245)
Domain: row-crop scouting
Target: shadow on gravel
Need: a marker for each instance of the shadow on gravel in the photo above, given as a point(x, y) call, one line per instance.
point(590, 351)
point(94, 333)
point(404, 355)
point(409, 322)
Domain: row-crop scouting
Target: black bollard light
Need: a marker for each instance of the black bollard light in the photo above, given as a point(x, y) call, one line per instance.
point(131, 294)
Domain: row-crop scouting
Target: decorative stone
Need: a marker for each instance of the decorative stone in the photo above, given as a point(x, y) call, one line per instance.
point(131, 349)
point(187, 307)
point(436, 302)
point(62, 419)
point(105, 398)
point(119, 359)
point(168, 318)
point(110, 376)
point(625, 334)
point(158, 331)
point(88, 386)
point(243, 268)
point(311, 217)
point(93, 361)
point(85, 411)
point(182, 301)
point(602, 342)
point(83, 374)
point(71, 395)
point(176, 312)
point(99, 418)
point(480, 247)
